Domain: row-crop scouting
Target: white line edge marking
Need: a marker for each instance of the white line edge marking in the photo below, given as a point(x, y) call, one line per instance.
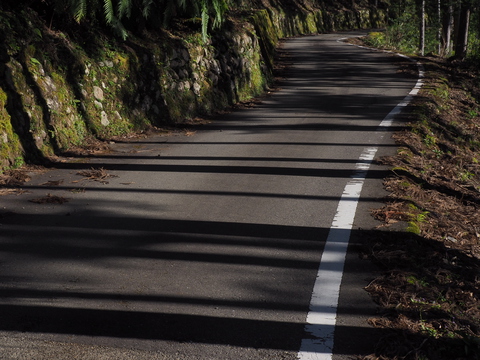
point(322, 316)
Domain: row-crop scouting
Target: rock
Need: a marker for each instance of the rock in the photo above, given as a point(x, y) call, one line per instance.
point(98, 93)
point(50, 84)
point(185, 55)
point(213, 78)
point(147, 103)
point(215, 67)
point(181, 74)
point(196, 88)
point(184, 74)
point(452, 239)
point(104, 119)
point(53, 104)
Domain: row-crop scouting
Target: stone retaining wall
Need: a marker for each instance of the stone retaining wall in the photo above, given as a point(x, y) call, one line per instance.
point(56, 94)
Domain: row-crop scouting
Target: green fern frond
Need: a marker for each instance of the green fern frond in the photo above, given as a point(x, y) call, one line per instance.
point(196, 7)
point(120, 29)
point(109, 12)
point(220, 7)
point(80, 10)
point(124, 8)
point(182, 4)
point(146, 8)
point(168, 13)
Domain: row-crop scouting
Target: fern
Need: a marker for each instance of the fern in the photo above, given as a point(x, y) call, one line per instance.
point(80, 10)
point(182, 4)
point(109, 11)
point(211, 12)
point(168, 12)
point(119, 29)
point(146, 8)
point(124, 8)
point(220, 7)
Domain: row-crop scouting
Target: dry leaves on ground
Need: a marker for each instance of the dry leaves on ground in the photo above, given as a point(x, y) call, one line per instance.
point(50, 199)
point(99, 175)
point(429, 292)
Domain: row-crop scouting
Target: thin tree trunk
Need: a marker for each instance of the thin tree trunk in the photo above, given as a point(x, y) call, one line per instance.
point(439, 33)
point(448, 21)
point(422, 28)
point(461, 42)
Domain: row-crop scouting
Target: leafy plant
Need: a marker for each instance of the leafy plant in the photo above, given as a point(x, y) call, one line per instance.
point(376, 39)
point(416, 218)
point(465, 176)
point(115, 12)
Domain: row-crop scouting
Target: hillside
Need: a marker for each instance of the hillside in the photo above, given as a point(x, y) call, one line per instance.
point(66, 85)
point(429, 293)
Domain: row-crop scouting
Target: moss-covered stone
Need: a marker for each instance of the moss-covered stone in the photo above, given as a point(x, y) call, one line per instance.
point(10, 149)
point(57, 91)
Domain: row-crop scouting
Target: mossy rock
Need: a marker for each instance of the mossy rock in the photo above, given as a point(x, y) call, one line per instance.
point(10, 149)
point(66, 90)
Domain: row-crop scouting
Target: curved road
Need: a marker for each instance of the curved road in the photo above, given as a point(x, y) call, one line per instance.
point(206, 246)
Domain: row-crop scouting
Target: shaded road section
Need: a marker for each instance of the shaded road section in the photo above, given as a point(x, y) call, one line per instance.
point(204, 246)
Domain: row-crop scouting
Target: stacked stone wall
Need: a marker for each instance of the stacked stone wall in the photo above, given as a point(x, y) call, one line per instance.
point(57, 94)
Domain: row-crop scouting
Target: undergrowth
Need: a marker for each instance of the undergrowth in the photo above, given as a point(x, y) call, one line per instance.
point(429, 292)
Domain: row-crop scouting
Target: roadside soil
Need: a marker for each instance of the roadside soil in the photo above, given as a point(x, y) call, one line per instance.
point(429, 293)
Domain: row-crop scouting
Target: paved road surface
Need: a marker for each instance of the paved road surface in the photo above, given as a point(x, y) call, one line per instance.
point(204, 246)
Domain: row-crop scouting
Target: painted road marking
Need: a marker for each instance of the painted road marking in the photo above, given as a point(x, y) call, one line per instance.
point(322, 316)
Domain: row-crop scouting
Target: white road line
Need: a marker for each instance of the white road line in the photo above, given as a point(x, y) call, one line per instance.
point(322, 316)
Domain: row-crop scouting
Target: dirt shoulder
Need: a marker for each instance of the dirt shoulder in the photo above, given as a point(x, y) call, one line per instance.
point(429, 292)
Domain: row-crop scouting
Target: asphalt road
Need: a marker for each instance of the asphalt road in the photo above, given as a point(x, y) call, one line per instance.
point(205, 246)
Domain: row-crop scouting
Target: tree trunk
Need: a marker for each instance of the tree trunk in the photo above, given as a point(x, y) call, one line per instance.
point(461, 41)
point(439, 33)
point(448, 21)
point(422, 28)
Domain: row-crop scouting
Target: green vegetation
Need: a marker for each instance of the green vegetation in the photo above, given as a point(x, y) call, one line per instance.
point(70, 80)
point(9, 141)
point(67, 80)
point(428, 293)
point(416, 218)
point(120, 14)
point(433, 30)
